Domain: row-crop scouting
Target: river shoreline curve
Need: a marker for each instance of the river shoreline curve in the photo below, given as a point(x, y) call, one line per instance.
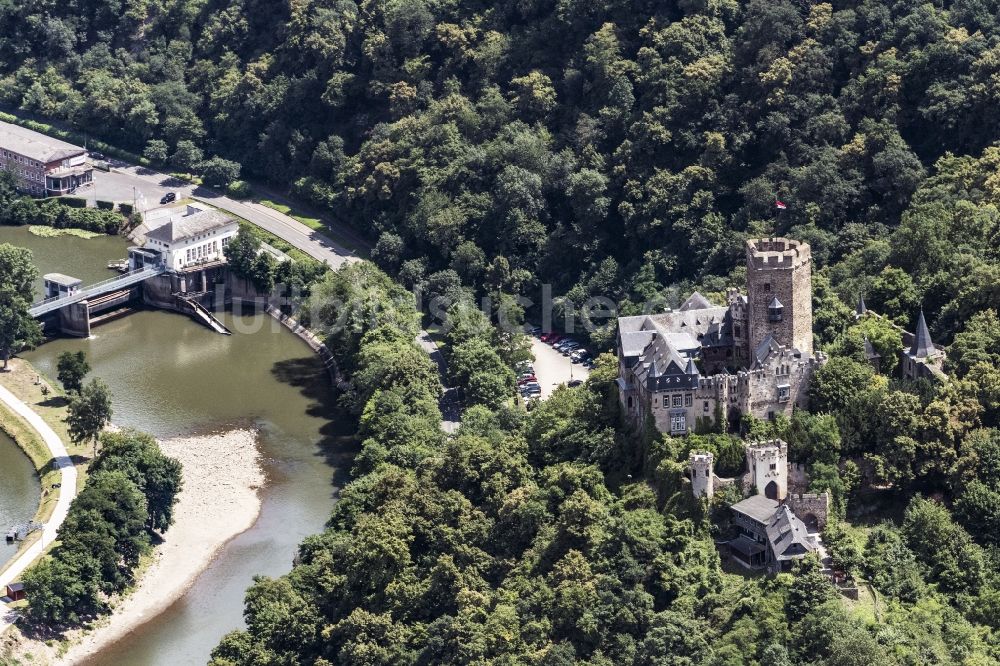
point(68, 475)
point(218, 502)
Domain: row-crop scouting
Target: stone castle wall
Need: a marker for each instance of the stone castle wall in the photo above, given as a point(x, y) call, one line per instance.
point(811, 504)
point(780, 268)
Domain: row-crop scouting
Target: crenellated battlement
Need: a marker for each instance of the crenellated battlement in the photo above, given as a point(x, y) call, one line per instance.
point(777, 254)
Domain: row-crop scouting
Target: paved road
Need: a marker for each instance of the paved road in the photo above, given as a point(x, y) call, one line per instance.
point(151, 185)
point(449, 404)
point(67, 492)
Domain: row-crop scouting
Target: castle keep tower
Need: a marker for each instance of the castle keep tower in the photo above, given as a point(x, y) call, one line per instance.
point(779, 298)
point(700, 464)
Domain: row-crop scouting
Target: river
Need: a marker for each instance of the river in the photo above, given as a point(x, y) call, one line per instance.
point(170, 376)
point(19, 492)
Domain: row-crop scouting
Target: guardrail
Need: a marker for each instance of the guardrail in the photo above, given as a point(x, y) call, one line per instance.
point(51, 303)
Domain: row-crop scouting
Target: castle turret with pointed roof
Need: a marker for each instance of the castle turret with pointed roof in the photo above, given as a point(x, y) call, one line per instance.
point(922, 358)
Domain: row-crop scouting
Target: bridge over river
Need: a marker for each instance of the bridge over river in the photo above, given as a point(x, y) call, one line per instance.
point(73, 309)
point(119, 283)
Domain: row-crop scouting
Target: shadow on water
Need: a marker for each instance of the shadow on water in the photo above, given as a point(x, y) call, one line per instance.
point(338, 444)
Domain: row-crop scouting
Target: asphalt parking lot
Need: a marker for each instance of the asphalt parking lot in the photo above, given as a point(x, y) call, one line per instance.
point(553, 369)
point(113, 186)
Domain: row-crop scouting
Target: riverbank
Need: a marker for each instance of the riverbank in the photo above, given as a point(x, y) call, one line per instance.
point(219, 500)
point(25, 385)
point(61, 462)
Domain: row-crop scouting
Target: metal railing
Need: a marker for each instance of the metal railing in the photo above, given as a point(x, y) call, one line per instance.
point(51, 303)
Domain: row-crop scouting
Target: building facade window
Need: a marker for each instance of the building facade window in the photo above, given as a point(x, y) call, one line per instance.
point(676, 401)
point(688, 400)
point(678, 423)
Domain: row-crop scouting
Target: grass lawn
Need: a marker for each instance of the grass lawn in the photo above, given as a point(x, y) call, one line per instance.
point(52, 408)
point(316, 224)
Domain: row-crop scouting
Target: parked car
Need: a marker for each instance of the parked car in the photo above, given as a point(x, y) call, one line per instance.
point(575, 382)
point(533, 391)
point(570, 348)
point(531, 387)
point(96, 155)
point(549, 337)
point(168, 197)
point(562, 343)
point(579, 356)
point(527, 380)
point(555, 339)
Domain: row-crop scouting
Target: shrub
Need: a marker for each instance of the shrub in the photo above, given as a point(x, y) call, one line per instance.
point(125, 209)
point(106, 205)
point(218, 172)
point(73, 202)
point(239, 189)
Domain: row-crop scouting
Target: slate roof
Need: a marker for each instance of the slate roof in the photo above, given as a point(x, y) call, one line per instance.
point(695, 302)
point(34, 145)
point(181, 227)
point(922, 344)
point(862, 308)
point(635, 342)
point(775, 304)
point(870, 353)
point(788, 535)
point(766, 347)
point(758, 507)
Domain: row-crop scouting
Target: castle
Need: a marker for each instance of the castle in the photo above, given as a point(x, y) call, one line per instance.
point(773, 526)
point(691, 367)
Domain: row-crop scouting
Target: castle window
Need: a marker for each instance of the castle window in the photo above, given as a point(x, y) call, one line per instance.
point(706, 471)
point(630, 402)
point(774, 466)
point(677, 401)
point(767, 286)
point(706, 406)
point(783, 393)
point(678, 423)
point(688, 400)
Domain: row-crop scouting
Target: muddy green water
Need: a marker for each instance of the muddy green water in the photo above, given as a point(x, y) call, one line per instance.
point(19, 492)
point(170, 376)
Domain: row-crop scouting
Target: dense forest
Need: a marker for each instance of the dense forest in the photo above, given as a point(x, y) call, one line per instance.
point(563, 536)
point(613, 148)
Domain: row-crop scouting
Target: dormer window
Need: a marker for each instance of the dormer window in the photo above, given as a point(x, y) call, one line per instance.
point(775, 310)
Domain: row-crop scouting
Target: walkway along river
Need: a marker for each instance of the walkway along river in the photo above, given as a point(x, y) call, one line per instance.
point(170, 376)
point(19, 492)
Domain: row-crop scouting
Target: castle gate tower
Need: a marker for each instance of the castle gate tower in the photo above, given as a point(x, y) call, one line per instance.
point(779, 292)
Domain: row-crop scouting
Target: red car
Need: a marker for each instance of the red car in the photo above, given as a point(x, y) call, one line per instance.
point(526, 380)
point(545, 337)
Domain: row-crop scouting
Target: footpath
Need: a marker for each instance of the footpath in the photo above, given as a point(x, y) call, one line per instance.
point(67, 492)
